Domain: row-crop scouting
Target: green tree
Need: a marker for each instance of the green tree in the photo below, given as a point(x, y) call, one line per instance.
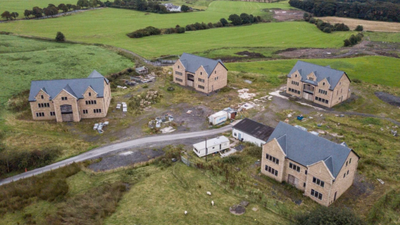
point(235, 19)
point(223, 21)
point(37, 12)
point(306, 16)
point(83, 3)
point(63, 7)
point(246, 18)
point(185, 8)
point(329, 215)
point(27, 13)
point(359, 28)
point(6, 15)
point(14, 15)
point(60, 37)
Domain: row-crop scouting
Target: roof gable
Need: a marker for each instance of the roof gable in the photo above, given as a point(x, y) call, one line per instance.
point(304, 68)
point(193, 62)
point(307, 149)
point(76, 87)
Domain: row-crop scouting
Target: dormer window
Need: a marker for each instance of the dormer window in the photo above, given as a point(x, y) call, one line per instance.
point(295, 75)
point(201, 73)
point(178, 67)
point(323, 83)
point(64, 98)
point(41, 97)
point(310, 78)
point(90, 94)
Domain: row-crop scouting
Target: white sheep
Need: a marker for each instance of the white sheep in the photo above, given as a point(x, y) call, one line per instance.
point(212, 203)
point(186, 212)
point(209, 193)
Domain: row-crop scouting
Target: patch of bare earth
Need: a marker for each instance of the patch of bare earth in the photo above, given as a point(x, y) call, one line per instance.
point(364, 48)
point(367, 24)
point(288, 15)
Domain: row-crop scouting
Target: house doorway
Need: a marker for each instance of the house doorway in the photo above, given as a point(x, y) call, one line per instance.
point(292, 180)
point(66, 113)
point(190, 80)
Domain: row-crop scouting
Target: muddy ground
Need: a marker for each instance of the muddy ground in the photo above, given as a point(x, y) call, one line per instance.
point(388, 98)
point(128, 157)
point(364, 48)
point(288, 15)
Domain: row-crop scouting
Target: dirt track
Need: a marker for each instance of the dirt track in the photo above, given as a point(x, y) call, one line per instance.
point(364, 48)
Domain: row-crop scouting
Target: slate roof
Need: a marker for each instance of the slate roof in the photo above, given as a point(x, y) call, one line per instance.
point(76, 87)
point(307, 149)
point(193, 62)
point(255, 129)
point(333, 76)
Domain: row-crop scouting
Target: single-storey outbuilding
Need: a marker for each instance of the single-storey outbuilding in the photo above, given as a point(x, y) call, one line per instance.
point(251, 131)
point(213, 145)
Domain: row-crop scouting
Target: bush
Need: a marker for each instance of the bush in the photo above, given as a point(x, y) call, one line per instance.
point(312, 20)
point(48, 186)
point(148, 31)
point(254, 151)
point(327, 30)
point(13, 161)
point(233, 159)
point(329, 215)
point(60, 37)
point(306, 16)
point(359, 28)
point(357, 81)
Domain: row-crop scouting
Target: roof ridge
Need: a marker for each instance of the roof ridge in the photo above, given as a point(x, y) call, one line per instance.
point(320, 66)
point(71, 79)
point(199, 56)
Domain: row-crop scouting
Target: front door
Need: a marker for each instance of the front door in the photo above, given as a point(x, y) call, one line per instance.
point(66, 113)
point(239, 136)
point(190, 80)
point(292, 180)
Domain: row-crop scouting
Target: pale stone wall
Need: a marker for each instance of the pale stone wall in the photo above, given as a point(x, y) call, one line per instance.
point(300, 176)
point(100, 104)
point(218, 78)
point(323, 85)
point(46, 110)
point(178, 67)
point(341, 91)
point(272, 148)
point(319, 171)
point(78, 105)
point(338, 95)
point(297, 78)
point(342, 183)
point(201, 74)
point(71, 100)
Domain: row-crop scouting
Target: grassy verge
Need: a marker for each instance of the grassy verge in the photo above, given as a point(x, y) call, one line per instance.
point(362, 68)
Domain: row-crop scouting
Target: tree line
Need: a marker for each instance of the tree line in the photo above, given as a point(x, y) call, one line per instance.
point(52, 10)
point(142, 5)
point(369, 10)
point(236, 20)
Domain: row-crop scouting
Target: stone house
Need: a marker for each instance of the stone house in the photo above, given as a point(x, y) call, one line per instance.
point(324, 170)
point(70, 99)
point(203, 74)
point(322, 85)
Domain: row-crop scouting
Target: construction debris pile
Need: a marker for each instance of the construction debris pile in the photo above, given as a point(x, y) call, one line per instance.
point(99, 126)
point(144, 100)
point(162, 121)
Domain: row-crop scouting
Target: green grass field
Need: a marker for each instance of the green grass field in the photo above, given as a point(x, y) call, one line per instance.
point(371, 69)
point(89, 27)
point(23, 60)
point(382, 36)
point(19, 6)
